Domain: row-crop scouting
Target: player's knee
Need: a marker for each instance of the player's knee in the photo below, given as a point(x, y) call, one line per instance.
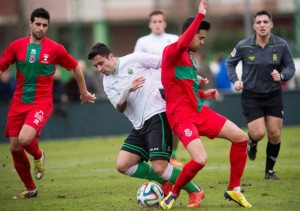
point(257, 135)
point(121, 168)
point(24, 140)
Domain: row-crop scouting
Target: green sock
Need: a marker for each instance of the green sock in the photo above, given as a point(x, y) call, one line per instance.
point(190, 187)
point(145, 171)
point(173, 153)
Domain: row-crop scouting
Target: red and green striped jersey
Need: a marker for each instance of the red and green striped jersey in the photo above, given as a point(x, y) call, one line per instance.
point(35, 64)
point(179, 73)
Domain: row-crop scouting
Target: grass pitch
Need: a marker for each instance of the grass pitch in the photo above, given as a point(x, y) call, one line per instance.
point(81, 175)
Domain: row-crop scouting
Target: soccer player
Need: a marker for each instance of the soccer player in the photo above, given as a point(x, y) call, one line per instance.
point(130, 87)
point(32, 104)
point(267, 61)
point(189, 119)
point(154, 43)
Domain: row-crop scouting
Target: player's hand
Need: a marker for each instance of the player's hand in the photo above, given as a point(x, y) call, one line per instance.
point(137, 83)
point(202, 81)
point(87, 97)
point(211, 94)
point(276, 75)
point(202, 7)
point(238, 85)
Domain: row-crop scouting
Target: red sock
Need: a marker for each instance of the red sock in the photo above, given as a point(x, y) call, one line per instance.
point(188, 172)
point(22, 166)
point(238, 158)
point(33, 149)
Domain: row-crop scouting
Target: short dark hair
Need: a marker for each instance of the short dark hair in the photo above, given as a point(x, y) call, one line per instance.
point(262, 12)
point(204, 25)
point(40, 13)
point(156, 12)
point(99, 49)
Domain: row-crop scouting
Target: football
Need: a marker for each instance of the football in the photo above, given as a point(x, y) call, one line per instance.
point(149, 194)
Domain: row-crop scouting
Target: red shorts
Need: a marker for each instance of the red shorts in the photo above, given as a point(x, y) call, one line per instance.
point(34, 115)
point(190, 126)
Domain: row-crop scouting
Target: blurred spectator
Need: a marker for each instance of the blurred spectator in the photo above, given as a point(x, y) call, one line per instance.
point(7, 86)
point(204, 70)
point(95, 85)
point(72, 90)
point(222, 82)
point(59, 95)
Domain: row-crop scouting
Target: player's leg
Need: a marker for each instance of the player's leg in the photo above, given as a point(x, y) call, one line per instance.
point(28, 140)
point(35, 120)
point(22, 166)
point(274, 126)
point(254, 112)
point(256, 133)
point(238, 158)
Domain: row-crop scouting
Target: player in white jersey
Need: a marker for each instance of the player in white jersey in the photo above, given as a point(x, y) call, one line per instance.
point(154, 43)
point(129, 85)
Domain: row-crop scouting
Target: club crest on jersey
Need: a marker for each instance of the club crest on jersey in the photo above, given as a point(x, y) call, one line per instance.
point(39, 116)
point(275, 57)
point(188, 132)
point(32, 55)
point(130, 70)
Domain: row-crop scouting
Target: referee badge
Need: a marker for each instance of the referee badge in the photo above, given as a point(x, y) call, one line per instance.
point(275, 57)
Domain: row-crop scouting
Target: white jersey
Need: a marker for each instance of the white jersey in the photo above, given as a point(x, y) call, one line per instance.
point(144, 102)
point(155, 44)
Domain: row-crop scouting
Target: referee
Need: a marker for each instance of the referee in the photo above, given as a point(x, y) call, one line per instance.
point(267, 62)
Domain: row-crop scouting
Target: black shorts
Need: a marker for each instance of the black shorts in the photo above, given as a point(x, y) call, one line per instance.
point(153, 141)
point(257, 105)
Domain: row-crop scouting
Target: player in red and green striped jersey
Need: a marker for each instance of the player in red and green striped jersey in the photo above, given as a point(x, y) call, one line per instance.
point(190, 119)
point(35, 57)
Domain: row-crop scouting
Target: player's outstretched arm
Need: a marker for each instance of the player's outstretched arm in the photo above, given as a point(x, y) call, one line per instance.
point(85, 96)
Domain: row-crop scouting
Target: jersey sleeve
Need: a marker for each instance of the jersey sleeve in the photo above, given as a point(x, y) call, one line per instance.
point(138, 46)
point(148, 60)
point(288, 63)
point(173, 50)
point(65, 60)
point(231, 63)
point(8, 57)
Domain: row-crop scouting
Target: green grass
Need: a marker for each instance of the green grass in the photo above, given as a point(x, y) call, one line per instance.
point(81, 176)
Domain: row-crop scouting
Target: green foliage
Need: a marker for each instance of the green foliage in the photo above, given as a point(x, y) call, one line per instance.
point(81, 175)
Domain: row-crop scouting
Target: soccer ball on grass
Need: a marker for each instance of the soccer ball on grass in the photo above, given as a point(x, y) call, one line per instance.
point(149, 194)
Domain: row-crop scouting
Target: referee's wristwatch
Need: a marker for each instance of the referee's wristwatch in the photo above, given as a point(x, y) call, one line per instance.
point(281, 77)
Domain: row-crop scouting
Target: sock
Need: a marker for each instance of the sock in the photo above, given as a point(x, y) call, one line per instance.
point(33, 149)
point(188, 172)
point(22, 166)
point(189, 187)
point(272, 154)
point(145, 171)
point(238, 158)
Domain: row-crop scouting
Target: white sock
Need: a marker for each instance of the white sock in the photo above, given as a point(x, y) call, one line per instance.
point(131, 170)
point(168, 172)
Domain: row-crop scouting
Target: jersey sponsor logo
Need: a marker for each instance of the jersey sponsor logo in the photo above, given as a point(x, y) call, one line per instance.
point(233, 52)
point(32, 55)
point(251, 58)
point(188, 132)
point(39, 116)
point(45, 58)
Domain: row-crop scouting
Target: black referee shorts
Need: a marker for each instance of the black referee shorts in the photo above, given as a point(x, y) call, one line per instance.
point(257, 105)
point(153, 141)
